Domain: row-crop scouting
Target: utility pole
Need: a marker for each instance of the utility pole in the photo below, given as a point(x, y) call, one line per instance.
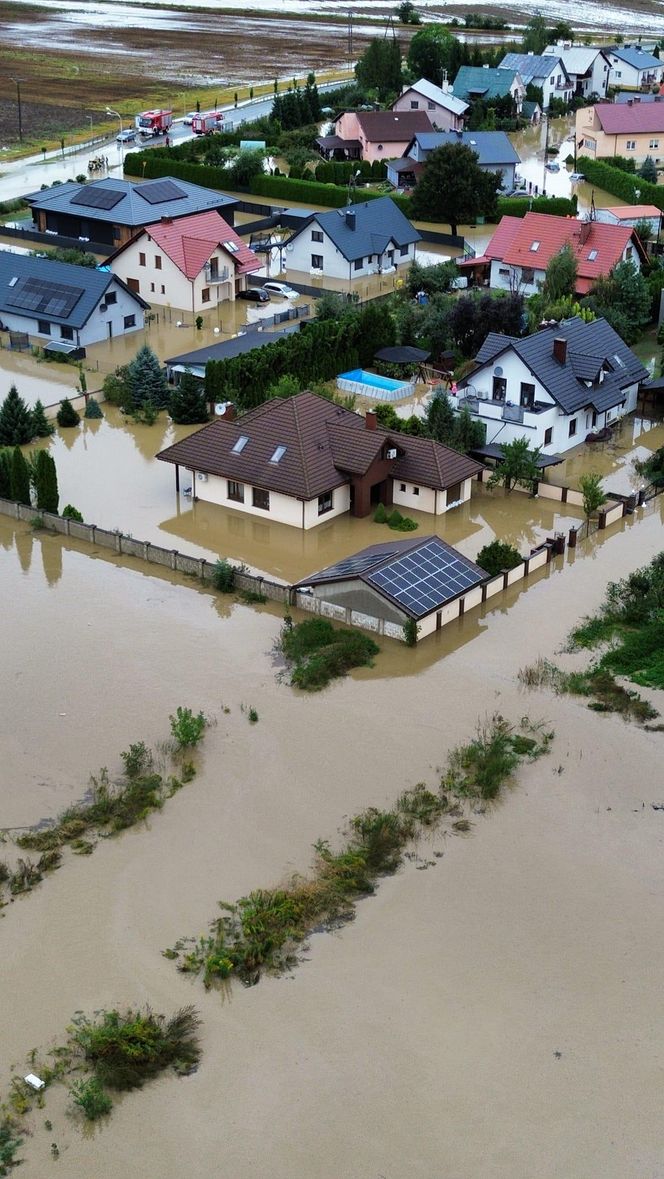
point(17, 82)
point(350, 40)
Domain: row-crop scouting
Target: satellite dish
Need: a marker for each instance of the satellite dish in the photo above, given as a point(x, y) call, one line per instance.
point(178, 323)
point(216, 331)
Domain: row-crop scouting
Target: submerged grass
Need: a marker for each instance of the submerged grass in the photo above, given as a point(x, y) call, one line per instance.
point(596, 683)
point(318, 652)
point(261, 932)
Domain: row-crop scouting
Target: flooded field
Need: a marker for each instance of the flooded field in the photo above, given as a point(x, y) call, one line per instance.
point(511, 976)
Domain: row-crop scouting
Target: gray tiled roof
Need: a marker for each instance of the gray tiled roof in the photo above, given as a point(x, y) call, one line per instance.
point(592, 341)
point(635, 57)
point(132, 208)
point(236, 346)
point(531, 66)
point(92, 283)
point(491, 147)
point(377, 223)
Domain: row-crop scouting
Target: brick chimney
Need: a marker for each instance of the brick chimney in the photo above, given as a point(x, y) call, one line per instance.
point(370, 419)
point(560, 349)
point(350, 218)
point(229, 414)
point(166, 220)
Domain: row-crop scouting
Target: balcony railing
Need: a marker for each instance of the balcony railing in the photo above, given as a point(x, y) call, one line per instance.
point(508, 413)
point(211, 275)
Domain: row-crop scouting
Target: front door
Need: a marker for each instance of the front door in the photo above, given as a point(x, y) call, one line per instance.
point(110, 330)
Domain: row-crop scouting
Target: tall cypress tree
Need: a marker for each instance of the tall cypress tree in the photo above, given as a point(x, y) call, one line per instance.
point(41, 427)
point(146, 380)
point(15, 420)
point(20, 477)
point(187, 405)
point(46, 483)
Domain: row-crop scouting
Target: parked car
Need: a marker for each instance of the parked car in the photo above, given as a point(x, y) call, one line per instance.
point(189, 118)
point(574, 176)
point(552, 166)
point(256, 294)
point(280, 288)
point(125, 136)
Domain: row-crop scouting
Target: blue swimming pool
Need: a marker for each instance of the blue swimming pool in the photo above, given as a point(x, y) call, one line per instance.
point(366, 384)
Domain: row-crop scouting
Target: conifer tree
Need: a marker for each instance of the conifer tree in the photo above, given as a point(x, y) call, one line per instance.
point(20, 477)
point(93, 409)
point(67, 415)
point(46, 483)
point(5, 472)
point(187, 405)
point(15, 420)
point(41, 427)
point(146, 380)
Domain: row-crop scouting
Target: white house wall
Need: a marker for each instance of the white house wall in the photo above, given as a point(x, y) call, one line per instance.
point(284, 509)
point(442, 118)
point(335, 265)
point(425, 499)
point(167, 286)
point(504, 277)
point(97, 327)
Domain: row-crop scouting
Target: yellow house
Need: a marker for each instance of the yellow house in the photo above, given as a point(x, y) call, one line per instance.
point(631, 129)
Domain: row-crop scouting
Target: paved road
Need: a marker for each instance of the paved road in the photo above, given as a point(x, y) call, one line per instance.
point(28, 175)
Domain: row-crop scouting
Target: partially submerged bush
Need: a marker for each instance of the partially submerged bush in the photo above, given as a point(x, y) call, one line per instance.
point(69, 512)
point(90, 1097)
point(497, 556)
point(318, 652)
point(125, 1050)
point(187, 727)
point(67, 415)
point(223, 576)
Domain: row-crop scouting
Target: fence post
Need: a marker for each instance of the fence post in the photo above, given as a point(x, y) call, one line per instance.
point(201, 568)
point(93, 530)
point(174, 559)
point(67, 526)
point(118, 542)
point(146, 550)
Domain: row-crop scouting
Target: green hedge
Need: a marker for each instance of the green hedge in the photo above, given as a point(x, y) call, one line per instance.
point(312, 192)
point(519, 206)
point(621, 184)
point(151, 166)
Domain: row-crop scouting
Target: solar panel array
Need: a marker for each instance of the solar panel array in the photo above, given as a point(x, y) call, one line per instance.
point(426, 578)
point(94, 197)
point(160, 190)
point(351, 566)
point(43, 297)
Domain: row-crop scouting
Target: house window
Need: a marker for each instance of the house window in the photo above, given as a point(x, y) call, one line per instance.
point(325, 503)
point(499, 390)
point(431, 106)
point(261, 499)
point(358, 263)
point(141, 259)
point(152, 286)
point(631, 145)
point(66, 333)
point(316, 235)
point(232, 247)
point(414, 104)
point(548, 436)
point(527, 397)
point(43, 327)
point(592, 255)
point(239, 446)
point(163, 290)
point(236, 491)
point(403, 251)
point(653, 143)
point(205, 295)
point(572, 428)
point(504, 270)
point(416, 491)
point(110, 298)
point(534, 247)
point(402, 487)
point(130, 321)
point(527, 274)
point(453, 494)
point(278, 454)
point(316, 261)
point(157, 261)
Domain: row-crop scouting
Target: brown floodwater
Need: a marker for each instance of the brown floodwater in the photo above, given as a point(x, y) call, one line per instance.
point(428, 1028)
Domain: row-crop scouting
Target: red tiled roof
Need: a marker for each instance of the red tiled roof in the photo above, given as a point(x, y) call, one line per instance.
point(190, 242)
point(606, 242)
point(501, 241)
point(619, 118)
point(632, 212)
point(323, 442)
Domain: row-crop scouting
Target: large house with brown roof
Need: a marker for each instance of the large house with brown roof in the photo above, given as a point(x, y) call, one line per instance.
point(303, 460)
point(192, 263)
point(374, 135)
point(520, 250)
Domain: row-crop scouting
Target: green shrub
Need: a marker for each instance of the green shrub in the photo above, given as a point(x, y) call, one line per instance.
point(69, 512)
point(187, 727)
point(9, 1144)
point(126, 1050)
point(93, 409)
point(497, 556)
point(319, 652)
point(137, 760)
point(621, 184)
point(519, 206)
point(91, 1098)
point(223, 576)
point(410, 632)
point(380, 515)
point(253, 716)
point(67, 415)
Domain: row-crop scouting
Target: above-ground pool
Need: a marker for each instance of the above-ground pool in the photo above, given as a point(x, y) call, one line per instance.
point(366, 384)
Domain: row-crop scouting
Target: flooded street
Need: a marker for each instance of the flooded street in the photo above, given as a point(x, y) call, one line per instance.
point(433, 1018)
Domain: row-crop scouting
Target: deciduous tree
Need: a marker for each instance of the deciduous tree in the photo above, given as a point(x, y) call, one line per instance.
point(560, 276)
point(379, 67)
point(454, 189)
point(519, 465)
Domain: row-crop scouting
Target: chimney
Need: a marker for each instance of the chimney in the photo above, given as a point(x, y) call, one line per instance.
point(350, 219)
point(370, 419)
point(229, 413)
point(167, 220)
point(560, 349)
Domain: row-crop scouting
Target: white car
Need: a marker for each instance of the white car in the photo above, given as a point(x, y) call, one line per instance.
point(188, 119)
point(280, 288)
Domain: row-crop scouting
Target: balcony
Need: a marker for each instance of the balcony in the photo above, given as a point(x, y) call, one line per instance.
point(214, 274)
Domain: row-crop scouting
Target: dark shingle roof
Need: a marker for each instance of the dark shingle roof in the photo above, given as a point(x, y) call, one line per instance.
point(377, 223)
point(391, 126)
point(132, 208)
point(491, 147)
point(587, 344)
point(71, 301)
point(532, 65)
point(324, 443)
point(237, 346)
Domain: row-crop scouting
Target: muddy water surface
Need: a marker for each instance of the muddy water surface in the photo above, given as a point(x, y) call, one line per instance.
point(428, 1029)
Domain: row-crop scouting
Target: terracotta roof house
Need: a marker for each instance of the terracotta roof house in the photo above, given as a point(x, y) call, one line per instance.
point(480, 83)
point(303, 460)
point(631, 66)
point(373, 237)
point(553, 387)
point(443, 108)
point(108, 212)
point(493, 149)
point(65, 305)
point(633, 130)
point(545, 71)
point(376, 135)
point(587, 66)
point(192, 263)
point(422, 578)
point(520, 250)
point(631, 215)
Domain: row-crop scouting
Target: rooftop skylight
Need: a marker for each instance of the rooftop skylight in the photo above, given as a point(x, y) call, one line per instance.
point(240, 444)
point(232, 247)
point(592, 255)
point(534, 247)
point(278, 454)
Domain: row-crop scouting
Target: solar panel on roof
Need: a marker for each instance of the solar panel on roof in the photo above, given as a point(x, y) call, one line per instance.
point(160, 190)
point(97, 198)
point(42, 296)
point(357, 564)
point(426, 578)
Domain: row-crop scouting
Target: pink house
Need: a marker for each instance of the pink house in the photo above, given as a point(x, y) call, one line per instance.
point(445, 111)
point(381, 135)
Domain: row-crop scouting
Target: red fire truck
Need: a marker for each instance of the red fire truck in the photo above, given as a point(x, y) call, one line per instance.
point(154, 122)
point(206, 122)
